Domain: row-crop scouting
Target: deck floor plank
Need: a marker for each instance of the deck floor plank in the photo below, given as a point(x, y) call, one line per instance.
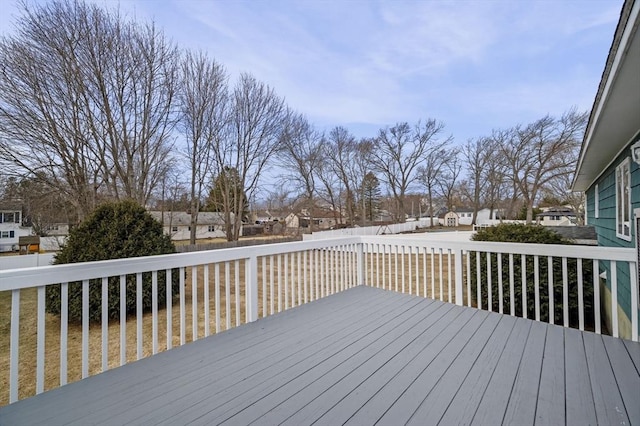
point(634, 353)
point(521, 408)
point(578, 384)
point(342, 359)
point(629, 384)
point(285, 401)
point(349, 396)
point(378, 368)
point(380, 402)
point(606, 395)
point(482, 348)
point(258, 372)
point(363, 356)
point(490, 380)
point(551, 394)
point(156, 377)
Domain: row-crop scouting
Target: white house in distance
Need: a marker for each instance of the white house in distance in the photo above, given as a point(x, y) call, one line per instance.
point(178, 224)
point(10, 227)
point(557, 216)
point(465, 217)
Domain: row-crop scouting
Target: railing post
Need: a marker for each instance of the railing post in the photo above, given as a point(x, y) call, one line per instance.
point(458, 265)
point(360, 262)
point(251, 276)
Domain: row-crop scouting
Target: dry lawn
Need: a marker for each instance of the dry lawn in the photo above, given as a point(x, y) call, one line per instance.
point(282, 297)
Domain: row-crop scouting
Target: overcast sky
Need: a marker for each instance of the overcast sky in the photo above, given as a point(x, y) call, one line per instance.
point(475, 65)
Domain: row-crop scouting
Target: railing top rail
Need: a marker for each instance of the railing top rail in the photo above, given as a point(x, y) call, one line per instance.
point(36, 276)
point(12, 279)
point(559, 250)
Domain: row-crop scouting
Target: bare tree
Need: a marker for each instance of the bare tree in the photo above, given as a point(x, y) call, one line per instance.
point(448, 183)
point(476, 155)
point(255, 127)
point(203, 100)
point(431, 170)
point(300, 156)
point(331, 187)
point(87, 99)
point(541, 152)
point(398, 152)
point(343, 149)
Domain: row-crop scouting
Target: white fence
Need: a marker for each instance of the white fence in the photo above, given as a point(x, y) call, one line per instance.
point(26, 261)
point(220, 289)
point(395, 228)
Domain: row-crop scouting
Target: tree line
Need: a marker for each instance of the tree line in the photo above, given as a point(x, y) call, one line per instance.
point(95, 106)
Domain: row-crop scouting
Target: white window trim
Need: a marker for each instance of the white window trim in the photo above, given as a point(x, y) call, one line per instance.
point(586, 208)
point(596, 202)
point(627, 163)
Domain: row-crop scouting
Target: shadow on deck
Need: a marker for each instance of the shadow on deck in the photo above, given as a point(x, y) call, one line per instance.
point(364, 356)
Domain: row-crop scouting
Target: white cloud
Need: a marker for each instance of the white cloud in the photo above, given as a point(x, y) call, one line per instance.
point(474, 64)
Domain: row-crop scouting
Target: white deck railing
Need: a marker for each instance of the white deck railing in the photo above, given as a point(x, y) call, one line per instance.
point(221, 289)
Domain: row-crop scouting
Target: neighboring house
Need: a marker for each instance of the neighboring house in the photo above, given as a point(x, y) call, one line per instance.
point(178, 224)
point(557, 216)
point(487, 215)
point(608, 169)
point(57, 229)
point(465, 216)
point(322, 219)
point(11, 228)
point(266, 216)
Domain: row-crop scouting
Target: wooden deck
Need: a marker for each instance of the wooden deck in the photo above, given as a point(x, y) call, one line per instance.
point(364, 356)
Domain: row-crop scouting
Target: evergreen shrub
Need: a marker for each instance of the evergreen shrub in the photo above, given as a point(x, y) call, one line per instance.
point(113, 231)
point(518, 233)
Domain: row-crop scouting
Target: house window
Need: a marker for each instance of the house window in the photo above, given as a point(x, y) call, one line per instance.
point(597, 203)
point(174, 229)
point(623, 201)
point(4, 234)
point(211, 228)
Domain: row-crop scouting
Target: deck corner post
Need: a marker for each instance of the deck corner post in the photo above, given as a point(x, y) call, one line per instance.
point(251, 274)
point(360, 263)
point(459, 296)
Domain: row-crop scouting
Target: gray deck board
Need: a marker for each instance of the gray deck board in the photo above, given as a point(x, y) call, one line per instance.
point(373, 349)
point(578, 384)
point(485, 380)
point(156, 378)
point(634, 353)
point(521, 408)
point(364, 356)
point(479, 357)
point(551, 397)
point(388, 394)
point(410, 400)
point(342, 356)
point(329, 388)
point(355, 396)
point(293, 355)
point(606, 395)
point(628, 384)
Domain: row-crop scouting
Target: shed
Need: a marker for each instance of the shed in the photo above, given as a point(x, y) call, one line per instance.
point(29, 245)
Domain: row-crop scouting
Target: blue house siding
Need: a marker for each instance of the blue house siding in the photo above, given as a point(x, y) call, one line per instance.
point(605, 224)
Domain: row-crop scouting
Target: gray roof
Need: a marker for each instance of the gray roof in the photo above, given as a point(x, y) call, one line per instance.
point(576, 233)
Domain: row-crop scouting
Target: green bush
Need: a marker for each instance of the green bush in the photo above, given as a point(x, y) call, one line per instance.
point(518, 233)
point(113, 231)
